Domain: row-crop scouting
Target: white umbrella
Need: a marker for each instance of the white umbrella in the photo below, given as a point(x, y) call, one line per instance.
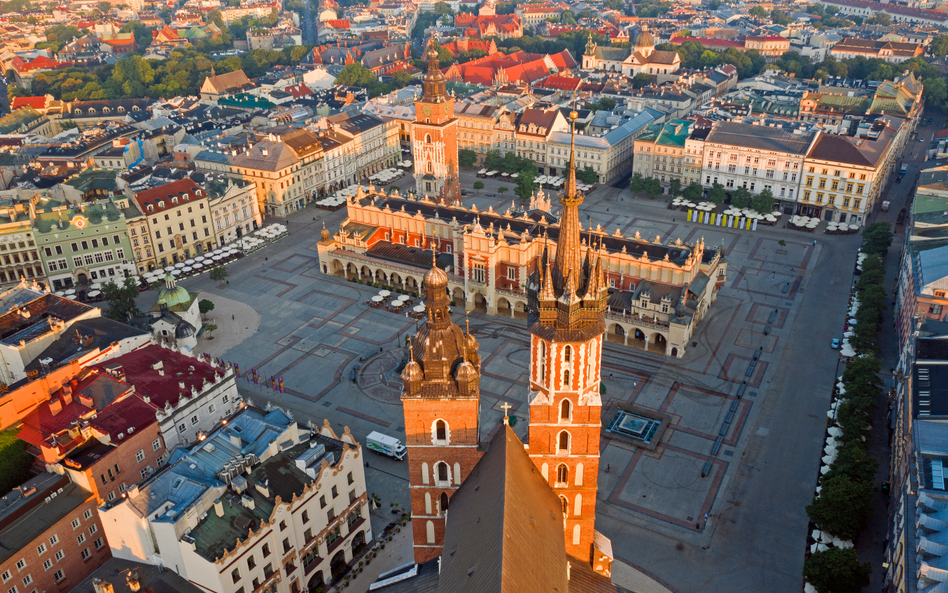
point(197, 266)
point(94, 293)
point(384, 293)
point(169, 268)
point(829, 459)
point(419, 309)
point(218, 257)
point(186, 269)
point(179, 265)
point(816, 534)
point(189, 262)
point(70, 291)
point(835, 431)
point(843, 226)
point(96, 285)
point(377, 299)
point(842, 544)
point(60, 293)
point(847, 351)
point(176, 272)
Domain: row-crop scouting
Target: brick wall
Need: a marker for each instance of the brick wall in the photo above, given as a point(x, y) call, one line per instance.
point(105, 483)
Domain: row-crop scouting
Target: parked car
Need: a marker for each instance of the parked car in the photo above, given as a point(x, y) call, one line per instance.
point(835, 344)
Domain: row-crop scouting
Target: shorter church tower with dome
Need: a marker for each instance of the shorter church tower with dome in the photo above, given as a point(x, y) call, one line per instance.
point(174, 319)
point(641, 58)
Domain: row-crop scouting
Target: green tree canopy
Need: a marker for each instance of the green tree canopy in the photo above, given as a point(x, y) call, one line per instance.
point(842, 508)
point(759, 12)
point(218, 273)
point(741, 198)
point(121, 300)
point(205, 306)
point(694, 192)
point(763, 202)
point(837, 571)
point(717, 193)
point(587, 175)
point(467, 157)
point(939, 45)
point(674, 187)
point(478, 185)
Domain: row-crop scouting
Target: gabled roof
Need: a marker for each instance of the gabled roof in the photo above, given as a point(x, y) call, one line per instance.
point(169, 195)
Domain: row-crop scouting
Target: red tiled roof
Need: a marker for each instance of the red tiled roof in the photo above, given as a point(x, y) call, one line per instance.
point(132, 412)
point(34, 102)
point(766, 38)
point(299, 90)
point(338, 23)
point(941, 133)
point(160, 198)
point(561, 82)
point(708, 42)
point(163, 385)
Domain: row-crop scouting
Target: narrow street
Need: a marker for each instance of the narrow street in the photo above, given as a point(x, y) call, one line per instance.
point(871, 542)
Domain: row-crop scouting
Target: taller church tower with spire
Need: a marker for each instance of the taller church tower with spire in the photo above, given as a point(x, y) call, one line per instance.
point(435, 138)
point(568, 297)
point(441, 400)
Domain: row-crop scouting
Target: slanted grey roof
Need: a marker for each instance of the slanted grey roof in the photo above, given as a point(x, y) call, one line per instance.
point(760, 137)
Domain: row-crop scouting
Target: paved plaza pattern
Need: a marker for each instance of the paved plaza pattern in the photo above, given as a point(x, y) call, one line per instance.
point(785, 295)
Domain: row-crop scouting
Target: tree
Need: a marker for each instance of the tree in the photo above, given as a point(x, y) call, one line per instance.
point(218, 273)
point(842, 508)
point(467, 157)
point(653, 186)
point(837, 571)
point(442, 9)
point(210, 328)
point(524, 187)
point(876, 239)
point(763, 202)
point(637, 183)
point(355, 74)
point(717, 193)
point(741, 198)
point(205, 306)
point(121, 300)
point(853, 461)
point(502, 190)
point(880, 18)
point(587, 175)
point(939, 45)
point(694, 192)
point(614, 4)
point(641, 80)
point(15, 461)
point(779, 17)
point(674, 187)
point(759, 12)
point(478, 185)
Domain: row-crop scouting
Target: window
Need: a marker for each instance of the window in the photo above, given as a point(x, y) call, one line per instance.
point(12, 589)
point(98, 543)
point(7, 576)
point(305, 516)
point(443, 475)
point(194, 420)
point(59, 555)
point(81, 538)
point(59, 575)
point(41, 549)
point(349, 478)
point(251, 562)
point(47, 564)
point(75, 522)
point(85, 553)
point(565, 409)
point(54, 540)
point(21, 564)
point(140, 456)
point(156, 444)
point(322, 501)
point(266, 550)
point(286, 545)
point(562, 475)
point(441, 432)
point(235, 575)
point(563, 443)
point(282, 525)
point(335, 491)
point(330, 515)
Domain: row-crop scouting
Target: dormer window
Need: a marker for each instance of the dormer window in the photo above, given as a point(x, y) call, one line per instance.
point(161, 203)
point(174, 199)
point(644, 302)
point(185, 196)
point(151, 208)
point(197, 192)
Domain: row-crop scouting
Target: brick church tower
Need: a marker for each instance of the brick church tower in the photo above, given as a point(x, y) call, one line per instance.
point(567, 300)
point(441, 400)
point(435, 138)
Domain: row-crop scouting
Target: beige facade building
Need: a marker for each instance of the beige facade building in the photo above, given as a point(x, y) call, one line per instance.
point(177, 224)
point(233, 203)
point(673, 150)
point(19, 256)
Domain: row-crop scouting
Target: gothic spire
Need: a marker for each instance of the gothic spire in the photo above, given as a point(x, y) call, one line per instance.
point(568, 252)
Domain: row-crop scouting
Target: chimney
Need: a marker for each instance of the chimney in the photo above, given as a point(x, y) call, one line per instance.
point(55, 406)
point(219, 508)
point(134, 580)
point(101, 586)
point(235, 440)
point(85, 400)
point(181, 384)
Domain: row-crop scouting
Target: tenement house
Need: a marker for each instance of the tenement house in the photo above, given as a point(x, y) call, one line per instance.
point(191, 396)
point(84, 244)
point(233, 202)
point(671, 150)
point(374, 144)
point(51, 538)
point(845, 174)
point(261, 504)
point(19, 257)
point(661, 290)
point(176, 220)
point(756, 157)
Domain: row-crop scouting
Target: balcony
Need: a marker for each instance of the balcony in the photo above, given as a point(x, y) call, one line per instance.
point(270, 584)
point(313, 565)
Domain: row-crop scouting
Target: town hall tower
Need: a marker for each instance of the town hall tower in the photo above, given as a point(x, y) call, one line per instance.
point(435, 138)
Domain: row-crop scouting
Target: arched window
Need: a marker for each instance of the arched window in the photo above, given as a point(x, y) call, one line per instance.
point(545, 471)
point(457, 473)
point(563, 442)
point(443, 473)
point(427, 138)
point(566, 377)
point(441, 430)
point(443, 502)
point(579, 474)
point(565, 409)
point(562, 474)
point(541, 360)
point(567, 353)
point(429, 168)
point(429, 532)
point(565, 504)
point(427, 503)
point(424, 473)
point(578, 506)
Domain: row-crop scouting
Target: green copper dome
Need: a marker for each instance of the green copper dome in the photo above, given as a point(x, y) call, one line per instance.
point(172, 296)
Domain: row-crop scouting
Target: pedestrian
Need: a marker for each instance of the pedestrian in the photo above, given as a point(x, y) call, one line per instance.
point(611, 376)
point(232, 318)
point(814, 241)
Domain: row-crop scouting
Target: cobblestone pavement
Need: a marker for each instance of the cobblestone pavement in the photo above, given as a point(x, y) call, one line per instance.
point(314, 329)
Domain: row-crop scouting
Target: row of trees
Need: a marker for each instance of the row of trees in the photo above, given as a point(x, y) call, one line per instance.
point(740, 198)
point(844, 504)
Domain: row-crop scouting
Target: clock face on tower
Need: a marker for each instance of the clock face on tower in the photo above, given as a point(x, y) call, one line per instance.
point(426, 109)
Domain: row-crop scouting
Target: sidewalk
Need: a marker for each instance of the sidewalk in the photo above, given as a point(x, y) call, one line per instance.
point(396, 553)
point(235, 321)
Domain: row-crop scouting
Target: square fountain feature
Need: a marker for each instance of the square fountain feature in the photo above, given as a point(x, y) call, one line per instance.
point(634, 426)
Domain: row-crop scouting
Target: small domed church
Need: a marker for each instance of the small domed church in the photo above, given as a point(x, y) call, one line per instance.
point(503, 514)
